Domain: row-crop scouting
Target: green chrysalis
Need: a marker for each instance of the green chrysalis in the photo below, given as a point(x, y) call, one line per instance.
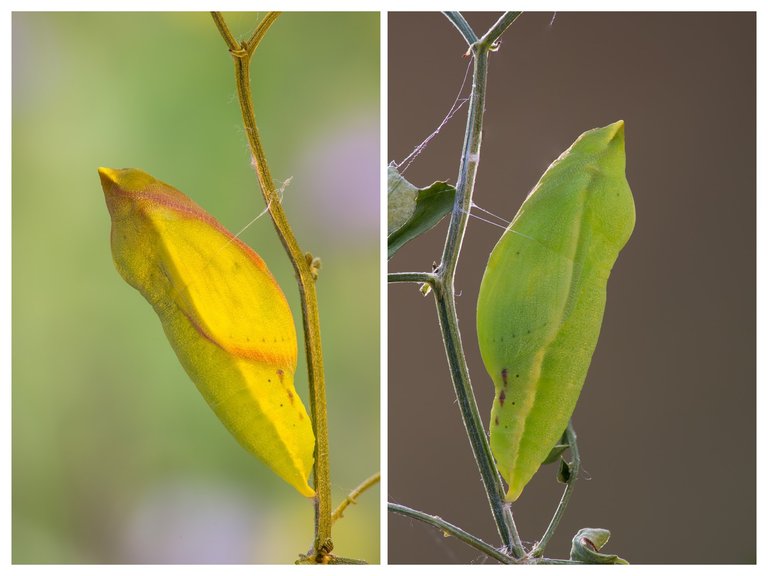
point(542, 298)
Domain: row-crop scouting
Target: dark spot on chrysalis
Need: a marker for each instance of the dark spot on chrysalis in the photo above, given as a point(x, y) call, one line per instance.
point(263, 340)
point(496, 420)
point(517, 253)
point(502, 338)
point(269, 379)
point(504, 376)
point(502, 397)
point(281, 404)
point(280, 375)
point(301, 416)
point(513, 403)
point(290, 396)
point(517, 375)
point(529, 331)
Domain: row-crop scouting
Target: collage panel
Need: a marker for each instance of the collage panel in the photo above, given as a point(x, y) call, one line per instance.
point(618, 148)
point(211, 361)
point(190, 192)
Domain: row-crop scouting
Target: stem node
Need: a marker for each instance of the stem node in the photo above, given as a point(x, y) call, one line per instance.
point(305, 273)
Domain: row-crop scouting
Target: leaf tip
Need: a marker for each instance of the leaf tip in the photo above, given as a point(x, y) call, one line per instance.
point(618, 130)
point(305, 490)
point(513, 493)
point(109, 179)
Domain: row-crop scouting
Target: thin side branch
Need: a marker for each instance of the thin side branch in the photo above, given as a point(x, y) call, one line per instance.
point(352, 498)
point(422, 277)
point(455, 531)
point(221, 24)
point(470, 540)
point(574, 470)
point(490, 37)
point(260, 31)
point(462, 26)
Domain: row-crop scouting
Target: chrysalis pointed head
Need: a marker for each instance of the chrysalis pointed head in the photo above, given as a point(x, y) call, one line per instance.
point(118, 184)
point(614, 204)
point(599, 141)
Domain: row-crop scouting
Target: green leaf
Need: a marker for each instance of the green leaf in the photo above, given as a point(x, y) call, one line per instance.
point(412, 211)
point(586, 545)
point(563, 472)
point(557, 450)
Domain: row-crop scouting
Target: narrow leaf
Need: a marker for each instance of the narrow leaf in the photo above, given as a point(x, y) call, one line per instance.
point(586, 545)
point(557, 450)
point(413, 211)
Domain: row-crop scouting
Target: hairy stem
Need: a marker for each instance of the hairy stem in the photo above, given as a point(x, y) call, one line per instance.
point(455, 531)
point(574, 469)
point(469, 539)
point(446, 305)
point(462, 26)
point(241, 54)
point(490, 37)
point(422, 277)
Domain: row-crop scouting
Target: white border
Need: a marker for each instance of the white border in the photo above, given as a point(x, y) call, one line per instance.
point(381, 5)
point(384, 107)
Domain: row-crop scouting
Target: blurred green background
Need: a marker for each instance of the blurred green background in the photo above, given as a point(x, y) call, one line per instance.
point(116, 457)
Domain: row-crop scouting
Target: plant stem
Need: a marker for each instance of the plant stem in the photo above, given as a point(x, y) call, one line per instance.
point(490, 37)
point(462, 26)
point(364, 485)
point(422, 277)
point(448, 528)
point(574, 468)
point(446, 306)
point(241, 54)
point(469, 539)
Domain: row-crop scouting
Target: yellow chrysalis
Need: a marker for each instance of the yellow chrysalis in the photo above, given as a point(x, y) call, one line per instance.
point(222, 311)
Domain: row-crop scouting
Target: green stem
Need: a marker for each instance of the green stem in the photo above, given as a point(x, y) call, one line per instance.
point(448, 528)
point(445, 299)
point(471, 417)
point(574, 468)
point(462, 26)
point(490, 37)
point(241, 54)
point(469, 539)
point(422, 277)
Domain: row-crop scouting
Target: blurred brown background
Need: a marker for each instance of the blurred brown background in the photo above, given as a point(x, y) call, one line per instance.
point(666, 421)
